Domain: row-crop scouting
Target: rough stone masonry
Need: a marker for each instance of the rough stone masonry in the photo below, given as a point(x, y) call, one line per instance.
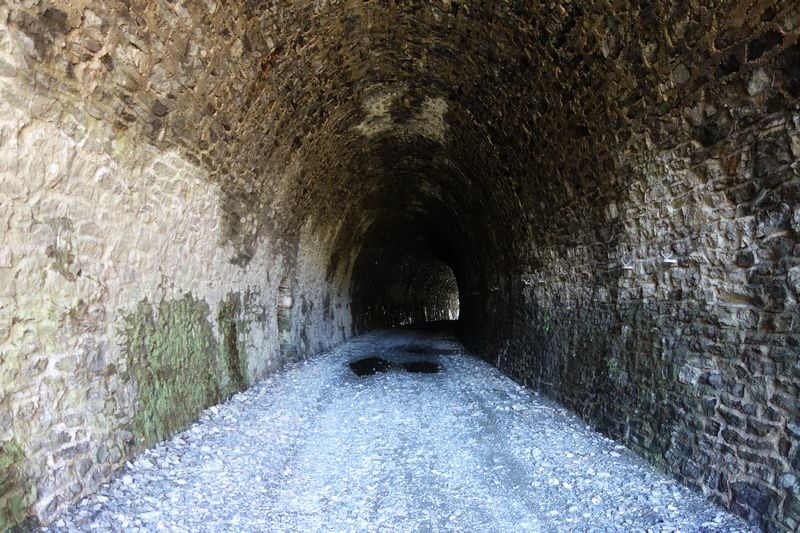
point(194, 193)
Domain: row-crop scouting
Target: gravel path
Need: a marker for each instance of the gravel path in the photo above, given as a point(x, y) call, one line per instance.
point(317, 448)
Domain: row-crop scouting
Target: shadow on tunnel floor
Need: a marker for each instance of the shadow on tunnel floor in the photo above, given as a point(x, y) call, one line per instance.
point(424, 331)
point(369, 366)
point(439, 327)
point(418, 351)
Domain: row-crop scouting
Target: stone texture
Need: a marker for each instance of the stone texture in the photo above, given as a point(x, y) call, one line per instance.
point(614, 187)
point(95, 221)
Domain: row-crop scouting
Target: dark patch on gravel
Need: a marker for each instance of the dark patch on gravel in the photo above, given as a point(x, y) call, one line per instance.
point(422, 367)
point(428, 350)
point(370, 366)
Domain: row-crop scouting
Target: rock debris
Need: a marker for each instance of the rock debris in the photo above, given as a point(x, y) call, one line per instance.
point(317, 448)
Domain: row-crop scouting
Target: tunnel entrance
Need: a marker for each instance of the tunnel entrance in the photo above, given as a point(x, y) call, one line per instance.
point(430, 290)
point(411, 289)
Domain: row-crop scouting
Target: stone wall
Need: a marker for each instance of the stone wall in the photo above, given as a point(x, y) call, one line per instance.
point(612, 184)
point(106, 259)
point(681, 342)
point(671, 322)
point(125, 304)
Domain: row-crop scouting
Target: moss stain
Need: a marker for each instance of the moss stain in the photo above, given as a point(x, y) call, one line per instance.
point(232, 350)
point(16, 496)
point(177, 364)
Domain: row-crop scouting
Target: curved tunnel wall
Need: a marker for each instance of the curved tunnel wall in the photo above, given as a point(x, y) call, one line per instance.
point(613, 185)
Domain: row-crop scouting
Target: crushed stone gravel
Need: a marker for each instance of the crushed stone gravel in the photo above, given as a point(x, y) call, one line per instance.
point(317, 448)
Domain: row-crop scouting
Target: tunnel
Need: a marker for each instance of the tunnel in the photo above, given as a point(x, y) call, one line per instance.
point(403, 276)
point(603, 196)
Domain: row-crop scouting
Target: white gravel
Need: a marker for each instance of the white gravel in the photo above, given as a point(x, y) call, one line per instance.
point(316, 448)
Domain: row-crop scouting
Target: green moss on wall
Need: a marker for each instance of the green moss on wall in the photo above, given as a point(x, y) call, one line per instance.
point(178, 365)
point(232, 350)
point(171, 356)
point(16, 495)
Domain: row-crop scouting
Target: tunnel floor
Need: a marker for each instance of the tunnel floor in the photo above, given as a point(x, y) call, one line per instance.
point(318, 448)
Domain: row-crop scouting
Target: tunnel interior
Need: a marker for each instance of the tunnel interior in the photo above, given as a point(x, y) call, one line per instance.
point(604, 193)
point(403, 276)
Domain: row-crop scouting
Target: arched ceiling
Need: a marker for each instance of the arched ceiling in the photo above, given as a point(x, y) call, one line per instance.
point(614, 184)
point(498, 114)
